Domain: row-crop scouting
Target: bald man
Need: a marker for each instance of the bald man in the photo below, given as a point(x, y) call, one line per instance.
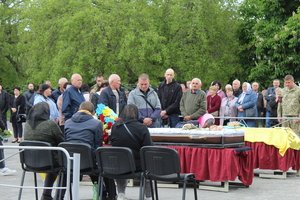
point(112, 96)
point(72, 97)
point(169, 93)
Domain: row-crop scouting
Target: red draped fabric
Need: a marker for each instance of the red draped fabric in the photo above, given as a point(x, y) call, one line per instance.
point(216, 164)
point(267, 157)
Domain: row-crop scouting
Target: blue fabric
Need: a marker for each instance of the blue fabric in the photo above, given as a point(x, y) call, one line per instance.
point(84, 128)
point(72, 98)
point(173, 120)
point(54, 114)
point(55, 94)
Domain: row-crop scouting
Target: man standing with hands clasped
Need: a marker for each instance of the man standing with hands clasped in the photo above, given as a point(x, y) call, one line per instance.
point(170, 93)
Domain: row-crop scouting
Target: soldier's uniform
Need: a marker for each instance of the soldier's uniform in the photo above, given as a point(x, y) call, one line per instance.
point(290, 107)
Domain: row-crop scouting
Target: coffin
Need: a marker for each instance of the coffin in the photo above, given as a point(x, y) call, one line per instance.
point(198, 137)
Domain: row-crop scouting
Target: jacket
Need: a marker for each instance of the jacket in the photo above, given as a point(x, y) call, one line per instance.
point(120, 137)
point(169, 96)
point(84, 128)
point(108, 98)
point(249, 102)
point(54, 114)
point(47, 131)
point(193, 104)
point(4, 101)
point(72, 99)
point(290, 105)
point(230, 106)
point(29, 98)
point(18, 103)
point(137, 98)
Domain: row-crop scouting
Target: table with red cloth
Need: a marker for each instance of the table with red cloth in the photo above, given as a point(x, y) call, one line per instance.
point(273, 148)
point(216, 164)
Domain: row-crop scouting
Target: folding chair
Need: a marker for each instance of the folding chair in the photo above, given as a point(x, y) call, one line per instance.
point(87, 158)
point(117, 163)
point(163, 164)
point(38, 161)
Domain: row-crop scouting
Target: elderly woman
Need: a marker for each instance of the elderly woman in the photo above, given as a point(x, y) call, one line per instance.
point(129, 132)
point(246, 105)
point(39, 128)
point(228, 107)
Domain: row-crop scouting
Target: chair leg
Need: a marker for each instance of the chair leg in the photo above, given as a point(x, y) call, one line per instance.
point(35, 185)
point(195, 189)
point(142, 184)
point(22, 183)
point(101, 182)
point(156, 192)
point(184, 190)
point(60, 183)
point(99, 187)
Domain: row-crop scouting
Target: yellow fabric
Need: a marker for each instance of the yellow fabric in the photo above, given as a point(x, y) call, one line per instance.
point(280, 137)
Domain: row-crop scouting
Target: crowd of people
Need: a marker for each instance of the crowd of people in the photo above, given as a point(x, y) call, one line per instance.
point(67, 112)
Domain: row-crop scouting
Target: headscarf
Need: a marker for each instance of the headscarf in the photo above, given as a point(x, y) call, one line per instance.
point(38, 113)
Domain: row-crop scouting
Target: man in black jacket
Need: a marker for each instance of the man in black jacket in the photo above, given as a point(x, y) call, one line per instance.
point(29, 97)
point(4, 104)
point(112, 96)
point(169, 93)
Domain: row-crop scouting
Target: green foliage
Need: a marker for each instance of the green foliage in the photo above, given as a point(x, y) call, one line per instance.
point(269, 37)
point(9, 62)
point(196, 38)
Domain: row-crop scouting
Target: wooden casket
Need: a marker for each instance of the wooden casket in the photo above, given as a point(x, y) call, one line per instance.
point(198, 137)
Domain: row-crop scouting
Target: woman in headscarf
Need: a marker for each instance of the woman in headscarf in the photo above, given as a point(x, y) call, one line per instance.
point(40, 128)
point(129, 132)
point(246, 105)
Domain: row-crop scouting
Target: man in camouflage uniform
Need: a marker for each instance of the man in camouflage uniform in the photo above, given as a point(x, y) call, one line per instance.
point(290, 106)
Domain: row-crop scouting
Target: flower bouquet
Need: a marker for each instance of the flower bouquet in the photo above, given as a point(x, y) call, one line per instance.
point(108, 117)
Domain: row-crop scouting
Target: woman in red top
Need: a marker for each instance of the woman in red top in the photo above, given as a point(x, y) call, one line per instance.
point(214, 103)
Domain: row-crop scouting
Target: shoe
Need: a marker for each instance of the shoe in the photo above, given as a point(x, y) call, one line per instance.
point(121, 196)
point(148, 198)
point(14, 141)
point(7, 172)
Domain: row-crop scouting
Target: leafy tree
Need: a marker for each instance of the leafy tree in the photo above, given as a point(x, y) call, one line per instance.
point(196, 38)
point(268, 36)
point(10, 67)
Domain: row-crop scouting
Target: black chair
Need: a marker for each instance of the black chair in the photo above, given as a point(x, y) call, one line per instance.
point(38, 161)
point(163, 164)
point(117, 163)
point(87, 158)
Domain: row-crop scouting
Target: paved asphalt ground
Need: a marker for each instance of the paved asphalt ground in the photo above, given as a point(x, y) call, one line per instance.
point(261, 188)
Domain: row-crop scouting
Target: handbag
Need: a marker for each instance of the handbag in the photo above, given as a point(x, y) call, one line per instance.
point(20, 117)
